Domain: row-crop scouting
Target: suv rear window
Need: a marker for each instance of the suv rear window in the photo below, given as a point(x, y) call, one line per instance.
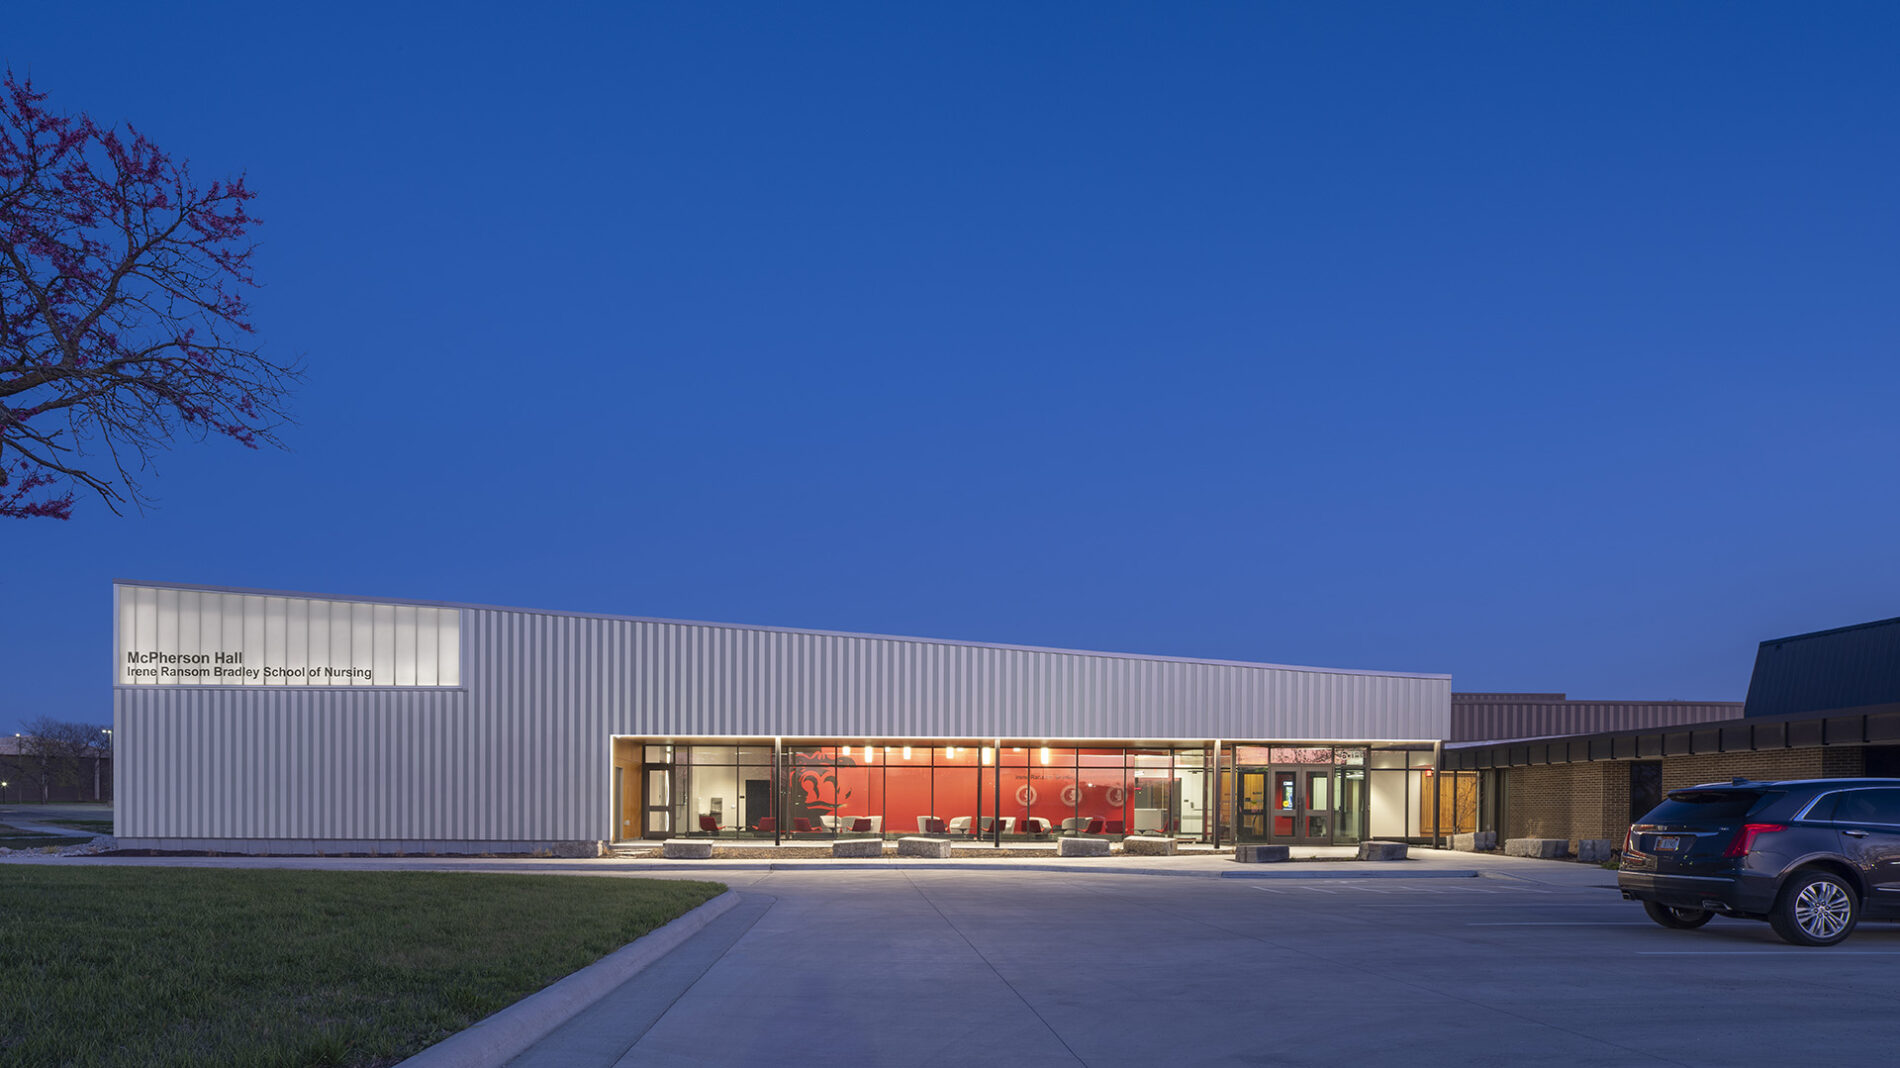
point(1701, 806)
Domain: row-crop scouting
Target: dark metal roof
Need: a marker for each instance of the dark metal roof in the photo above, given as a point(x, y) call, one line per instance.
point(1502, 716)
point(1840, 669)
point(1875, 725)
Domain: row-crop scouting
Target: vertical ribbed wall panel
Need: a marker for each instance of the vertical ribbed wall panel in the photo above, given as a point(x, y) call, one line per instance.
point(520, 751)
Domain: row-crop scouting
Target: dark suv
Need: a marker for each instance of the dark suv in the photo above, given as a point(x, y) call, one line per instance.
point(1811, 856)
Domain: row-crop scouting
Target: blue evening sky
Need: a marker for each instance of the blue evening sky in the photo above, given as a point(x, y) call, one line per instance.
point(1551, 346)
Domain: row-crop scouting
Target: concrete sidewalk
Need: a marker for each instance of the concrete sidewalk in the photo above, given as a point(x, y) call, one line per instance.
point(1425, 863)
point(29, 827)
point(30, 818)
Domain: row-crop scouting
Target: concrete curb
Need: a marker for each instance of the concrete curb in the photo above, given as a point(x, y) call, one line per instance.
point(1376, 873)
point(505, 1035)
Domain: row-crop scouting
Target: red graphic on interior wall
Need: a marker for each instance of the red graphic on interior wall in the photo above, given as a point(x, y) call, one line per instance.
point(1025, 795)
point(814, 783)
point(1071, 795)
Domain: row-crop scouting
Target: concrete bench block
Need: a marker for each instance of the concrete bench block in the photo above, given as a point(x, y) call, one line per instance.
point(1382, 851)
point(1475, 842)
point(937, 848)
point(1545, 848)
point(1254, 853)
point(1082, 847)
point(858, 847)
point(1148, 845)
point(686, 849)
point(1595, 850)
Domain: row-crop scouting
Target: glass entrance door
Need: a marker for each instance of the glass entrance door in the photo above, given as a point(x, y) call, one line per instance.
point(1301, 805)
point(1253, 805)
point(658, 802)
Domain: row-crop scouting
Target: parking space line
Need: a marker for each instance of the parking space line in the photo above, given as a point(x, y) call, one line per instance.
point(1561, 923)
point(1792, 951)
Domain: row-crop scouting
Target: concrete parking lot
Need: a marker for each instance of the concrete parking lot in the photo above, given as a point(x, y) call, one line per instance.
point(1537, 963)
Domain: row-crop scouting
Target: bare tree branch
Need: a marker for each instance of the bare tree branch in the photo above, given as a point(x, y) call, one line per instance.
point(123, 318)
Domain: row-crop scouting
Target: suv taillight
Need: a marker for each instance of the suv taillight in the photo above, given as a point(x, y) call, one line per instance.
point(1629, 840)
point(1744, 841)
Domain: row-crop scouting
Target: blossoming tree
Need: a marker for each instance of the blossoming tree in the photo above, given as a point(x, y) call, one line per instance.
point(123, 319)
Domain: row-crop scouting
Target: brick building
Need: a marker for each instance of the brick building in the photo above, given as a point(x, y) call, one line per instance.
point(1819, 705)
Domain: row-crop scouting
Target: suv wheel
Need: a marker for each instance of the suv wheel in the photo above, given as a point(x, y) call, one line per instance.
point(1680, 919)
point(1815, 909)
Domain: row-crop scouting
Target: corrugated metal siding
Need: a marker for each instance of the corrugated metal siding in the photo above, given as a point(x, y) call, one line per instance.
point(1852, 667)
point(1481, 717)
point(522, 752)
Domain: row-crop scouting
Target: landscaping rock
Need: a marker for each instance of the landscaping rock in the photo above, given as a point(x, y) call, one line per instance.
point(1082, 847)
point(858, 847)
point(938, 848)
point(1382, 851)
point(1544, 848)
point(1254, 853)
point(567, 850)
point(102, 844)
point(1595, 850)
point(1476, 842)
point(686, 849)
point(1148, 845)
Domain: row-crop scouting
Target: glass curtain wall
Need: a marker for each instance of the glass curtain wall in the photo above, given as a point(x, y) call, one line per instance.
point(1400, 785)
point(1448, 802)
point(1341, 794)
point(721, 788)
point(1349, 790)
point(1028, 792)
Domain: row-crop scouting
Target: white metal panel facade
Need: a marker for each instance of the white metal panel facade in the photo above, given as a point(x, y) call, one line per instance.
point(519, 752)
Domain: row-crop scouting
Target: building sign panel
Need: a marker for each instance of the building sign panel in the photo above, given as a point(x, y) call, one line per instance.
point(205, 638)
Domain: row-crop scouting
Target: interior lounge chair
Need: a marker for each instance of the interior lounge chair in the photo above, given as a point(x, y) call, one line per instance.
point(802, 825)
point(1032, 825)
point(1075, 825)
point(1094, 825)
point(930, 825)
point(768, 824)
point(861, 825)
point(1114, 827)
point(960, 825)
point(709, 824)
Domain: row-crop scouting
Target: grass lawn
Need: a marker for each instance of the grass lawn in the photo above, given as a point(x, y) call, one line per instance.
point(177, 966)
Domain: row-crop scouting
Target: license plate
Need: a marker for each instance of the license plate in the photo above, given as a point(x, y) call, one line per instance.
point(1668, 845)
